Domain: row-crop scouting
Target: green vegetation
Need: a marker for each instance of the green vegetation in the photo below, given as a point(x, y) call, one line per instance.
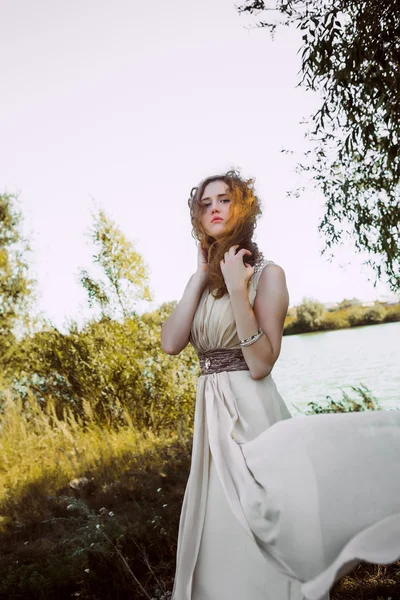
point(349, 56)
point(96, 434)
point(113, 367)
point(86, 511)
point(92, 511)
point(311, 315)
point(96, 424)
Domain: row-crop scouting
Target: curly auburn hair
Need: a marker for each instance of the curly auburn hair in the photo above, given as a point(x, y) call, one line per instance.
point(245, 210)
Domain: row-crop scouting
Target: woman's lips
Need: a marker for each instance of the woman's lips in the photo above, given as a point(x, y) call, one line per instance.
point(216, 221)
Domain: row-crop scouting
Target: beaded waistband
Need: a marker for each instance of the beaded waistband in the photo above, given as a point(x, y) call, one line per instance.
point(222, 359)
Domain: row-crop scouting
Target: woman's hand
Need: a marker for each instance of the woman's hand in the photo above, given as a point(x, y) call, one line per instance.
point(236, 273)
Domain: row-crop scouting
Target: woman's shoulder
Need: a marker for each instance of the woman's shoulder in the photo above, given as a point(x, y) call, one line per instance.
point(263, 263)
point(259, 268)
point(260, 265)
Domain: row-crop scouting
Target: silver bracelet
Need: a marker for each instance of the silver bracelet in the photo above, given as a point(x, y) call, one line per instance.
point(250, 340)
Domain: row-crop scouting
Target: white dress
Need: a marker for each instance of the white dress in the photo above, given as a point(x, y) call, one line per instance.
point(279, 507)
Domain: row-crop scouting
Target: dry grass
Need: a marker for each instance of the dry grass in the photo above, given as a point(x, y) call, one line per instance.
point(87, 512)
point(369, 582)
point(92, 513)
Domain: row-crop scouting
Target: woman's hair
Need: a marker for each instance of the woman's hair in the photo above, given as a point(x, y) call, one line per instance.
point(245, 210)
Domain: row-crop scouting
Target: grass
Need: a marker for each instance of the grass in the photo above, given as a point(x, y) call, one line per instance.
point(92, 513)
point(85, 512)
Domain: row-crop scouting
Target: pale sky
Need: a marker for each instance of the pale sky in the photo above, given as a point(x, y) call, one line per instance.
point(126, 105)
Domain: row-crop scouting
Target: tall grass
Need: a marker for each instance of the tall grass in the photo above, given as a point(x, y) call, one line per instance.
point(36, 445)
point(83, 509)
point(91, 512)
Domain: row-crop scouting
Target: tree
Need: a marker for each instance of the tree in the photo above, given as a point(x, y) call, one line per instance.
point(351, 55)
point(125, 273)
point(16, 288)
point(309, 314)
point(347, 303)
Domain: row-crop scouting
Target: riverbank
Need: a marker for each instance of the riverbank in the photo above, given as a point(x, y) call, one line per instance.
point(312, 316)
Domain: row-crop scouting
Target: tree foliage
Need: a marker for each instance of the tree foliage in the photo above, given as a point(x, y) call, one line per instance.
point(114, 365)
point(110, 367)
point(309, 314)
point(125, 278)
point(16, 288)
point(350, 54)
point(348, 302)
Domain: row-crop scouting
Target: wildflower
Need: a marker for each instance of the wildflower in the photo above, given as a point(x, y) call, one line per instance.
point(79, 483)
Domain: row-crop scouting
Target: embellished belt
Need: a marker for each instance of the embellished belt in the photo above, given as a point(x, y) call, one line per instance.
point(222, 359)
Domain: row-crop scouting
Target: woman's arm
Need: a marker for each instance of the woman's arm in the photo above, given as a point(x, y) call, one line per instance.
point(270, 309)
point(175, 331)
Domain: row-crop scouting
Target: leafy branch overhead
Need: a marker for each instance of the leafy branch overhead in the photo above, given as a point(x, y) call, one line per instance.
point(350, 54)
point(125, 278)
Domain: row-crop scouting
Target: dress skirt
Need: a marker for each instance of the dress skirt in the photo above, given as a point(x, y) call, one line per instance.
point(279, 507)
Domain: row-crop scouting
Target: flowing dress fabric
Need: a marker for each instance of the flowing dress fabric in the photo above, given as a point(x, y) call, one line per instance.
point(279, 507)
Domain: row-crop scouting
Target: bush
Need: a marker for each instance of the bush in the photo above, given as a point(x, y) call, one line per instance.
point(113, 367)
point(375, 314)
point(309, 314)
point(392, 314)
point(334, 320)
point(355, 316)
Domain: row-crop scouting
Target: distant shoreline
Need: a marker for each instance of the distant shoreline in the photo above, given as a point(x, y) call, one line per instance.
point(311, 316)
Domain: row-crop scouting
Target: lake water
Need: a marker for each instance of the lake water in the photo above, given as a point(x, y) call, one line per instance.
point(312, 366)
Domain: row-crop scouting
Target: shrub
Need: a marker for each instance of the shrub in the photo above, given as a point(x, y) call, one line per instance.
point(392, 314)
point(114, 367)
point(334, 320)
point(355, 316)
point(375, 314)
point(309, 314)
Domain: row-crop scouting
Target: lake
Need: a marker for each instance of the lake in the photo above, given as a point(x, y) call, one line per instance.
point(312, 366)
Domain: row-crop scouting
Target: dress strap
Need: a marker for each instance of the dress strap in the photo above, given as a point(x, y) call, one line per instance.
point(257, 272)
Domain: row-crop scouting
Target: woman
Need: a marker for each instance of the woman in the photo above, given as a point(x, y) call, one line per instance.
point(270, 512)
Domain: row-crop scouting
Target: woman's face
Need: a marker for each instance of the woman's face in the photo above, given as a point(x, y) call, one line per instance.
point(216, 202)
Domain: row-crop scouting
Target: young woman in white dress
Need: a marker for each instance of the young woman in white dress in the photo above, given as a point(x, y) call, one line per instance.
point(270, 512)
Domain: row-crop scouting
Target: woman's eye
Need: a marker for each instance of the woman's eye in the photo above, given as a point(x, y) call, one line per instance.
point(224, 200)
